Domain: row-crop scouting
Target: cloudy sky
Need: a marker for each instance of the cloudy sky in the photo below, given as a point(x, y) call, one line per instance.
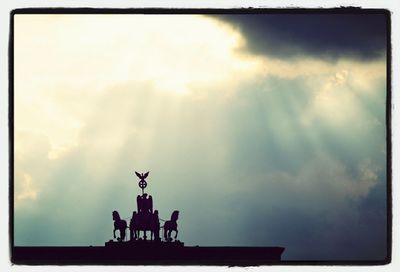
point(263, 130)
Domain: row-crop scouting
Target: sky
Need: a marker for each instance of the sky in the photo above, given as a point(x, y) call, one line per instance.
point(262, 130)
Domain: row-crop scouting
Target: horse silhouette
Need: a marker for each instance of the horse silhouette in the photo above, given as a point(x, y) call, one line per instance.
point(171, 225)
point(143, 218)
point(120, 225)
point(144, 222)
point(155, 226)
point(133, 227)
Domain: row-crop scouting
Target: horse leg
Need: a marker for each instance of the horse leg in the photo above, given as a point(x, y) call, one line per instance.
point(156, 233)
point(176, 233)
point(122, 234)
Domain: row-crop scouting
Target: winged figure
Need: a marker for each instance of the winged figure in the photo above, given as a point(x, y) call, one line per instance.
point(142, 176)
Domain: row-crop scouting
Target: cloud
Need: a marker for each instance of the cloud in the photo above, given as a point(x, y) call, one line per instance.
point(28, 192)
point(29, 167)
point(315, 212)
point(63, 79)
point(170, 61)
point(328, 36)
point(282, 151)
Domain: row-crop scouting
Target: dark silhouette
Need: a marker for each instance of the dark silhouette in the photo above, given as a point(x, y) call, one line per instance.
point(142, 224)
point(171, 225)
point(145, 222)
point(144, 203)
point(133, 227)
point(144, 215)
point(120, 225)
point(141, 251)
point(142, 182)
point(144, 219)
point(117, 253)
point(155, 226)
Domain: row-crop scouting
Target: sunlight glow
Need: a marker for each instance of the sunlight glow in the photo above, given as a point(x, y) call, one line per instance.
point(65, 61)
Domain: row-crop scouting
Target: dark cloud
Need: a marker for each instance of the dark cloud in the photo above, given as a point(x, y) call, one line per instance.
point(361, 36)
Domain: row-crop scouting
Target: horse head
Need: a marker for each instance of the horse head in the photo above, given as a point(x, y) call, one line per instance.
point(116, 216)
point(175, 215)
